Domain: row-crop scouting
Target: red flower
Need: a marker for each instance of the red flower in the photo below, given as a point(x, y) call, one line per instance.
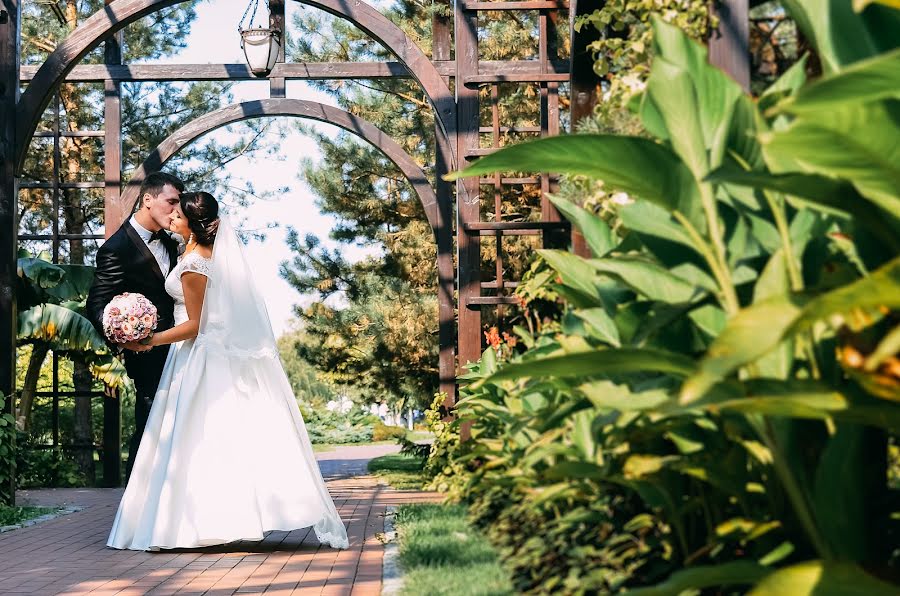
point(493, 337)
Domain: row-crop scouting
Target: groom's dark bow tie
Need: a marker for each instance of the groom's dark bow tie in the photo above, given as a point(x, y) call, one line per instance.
point(160, 235)
point(167, 241)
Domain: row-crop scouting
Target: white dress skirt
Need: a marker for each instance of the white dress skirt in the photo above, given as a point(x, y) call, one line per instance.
point(225, 455)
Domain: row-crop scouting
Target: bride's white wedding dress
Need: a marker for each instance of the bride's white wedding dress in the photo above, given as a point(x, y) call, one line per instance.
point(225, 455)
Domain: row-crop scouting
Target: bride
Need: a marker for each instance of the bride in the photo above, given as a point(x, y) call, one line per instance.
point(225, 455)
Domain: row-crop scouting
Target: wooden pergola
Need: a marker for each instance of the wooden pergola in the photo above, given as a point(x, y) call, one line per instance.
point(452, 209)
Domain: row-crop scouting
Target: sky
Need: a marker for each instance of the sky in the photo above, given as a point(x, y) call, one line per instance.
point(214, 39)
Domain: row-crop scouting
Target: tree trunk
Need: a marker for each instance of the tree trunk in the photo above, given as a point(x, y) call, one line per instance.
point(84, 427)
point(29, 388)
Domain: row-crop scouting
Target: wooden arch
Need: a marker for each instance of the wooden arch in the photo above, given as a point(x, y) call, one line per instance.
point(117, 15)
point(267, 108)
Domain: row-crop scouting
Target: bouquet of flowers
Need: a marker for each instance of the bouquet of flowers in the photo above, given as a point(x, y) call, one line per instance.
point(129, 317)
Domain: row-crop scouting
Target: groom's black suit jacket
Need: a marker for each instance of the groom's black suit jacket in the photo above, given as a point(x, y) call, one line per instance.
point(125, 264)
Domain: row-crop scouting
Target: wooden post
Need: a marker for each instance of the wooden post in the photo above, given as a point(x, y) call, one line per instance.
point(447, 332)
point(276, 21)
point(584, 82)
point(729, 45)
point(115, 214)
point(10, 13)
point(468, 200)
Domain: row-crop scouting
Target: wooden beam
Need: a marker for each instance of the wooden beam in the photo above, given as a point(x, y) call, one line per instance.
point(97, 73)
point(102, 24)
point(128, 73)
point(10, 15)
point(516, 5)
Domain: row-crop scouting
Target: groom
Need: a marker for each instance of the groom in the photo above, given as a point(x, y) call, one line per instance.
point(137, 258)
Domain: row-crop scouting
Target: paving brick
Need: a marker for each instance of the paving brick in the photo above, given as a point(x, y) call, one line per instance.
point(68, 556)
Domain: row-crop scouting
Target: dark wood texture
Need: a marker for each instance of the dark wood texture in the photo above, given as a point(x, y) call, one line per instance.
point(729, 46)
point(438, 213)
point(101, 25)
point(9, 94)
point(584, 83)
point(468, 200)
point(488, 69)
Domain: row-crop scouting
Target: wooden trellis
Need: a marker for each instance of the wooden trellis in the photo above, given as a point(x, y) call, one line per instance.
point(454, 209)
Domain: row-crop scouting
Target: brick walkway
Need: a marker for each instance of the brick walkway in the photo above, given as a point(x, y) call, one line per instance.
point(68, 555)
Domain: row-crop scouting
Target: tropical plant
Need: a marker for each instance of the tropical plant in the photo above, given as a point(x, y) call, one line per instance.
point(51, 300)
point(714, 407)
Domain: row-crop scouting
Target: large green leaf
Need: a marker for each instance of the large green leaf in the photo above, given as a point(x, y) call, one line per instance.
point(775, 281)
point(734, 573)
point(648, 279)
point(818, 578)
point(62, 328)
point(820, 190)
point(598, 362)
point(787, 84)
point(576, 273)
point(859, 143)
point(635, 165)
point(602, 324)
point(866, 81)
point(597, 233)
point(606, 394)
point(75, 283)
point(840, 35)
point(39, 272)
point(700, 104)
point(756, 330)
point(648, 218)
point(841, 513)
point(109, 370)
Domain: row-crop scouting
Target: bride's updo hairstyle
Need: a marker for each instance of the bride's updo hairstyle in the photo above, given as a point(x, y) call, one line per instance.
point(202, 212)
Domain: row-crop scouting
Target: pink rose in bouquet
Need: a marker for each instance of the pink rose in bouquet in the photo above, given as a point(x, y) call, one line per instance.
point(129, 317)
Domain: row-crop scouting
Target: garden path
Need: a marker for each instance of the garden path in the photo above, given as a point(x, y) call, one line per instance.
point(68, 555)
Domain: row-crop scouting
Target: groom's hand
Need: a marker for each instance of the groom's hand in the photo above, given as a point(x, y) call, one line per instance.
point(136, 346)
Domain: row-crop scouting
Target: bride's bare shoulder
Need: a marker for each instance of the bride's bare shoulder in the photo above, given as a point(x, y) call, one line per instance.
point(204, 251)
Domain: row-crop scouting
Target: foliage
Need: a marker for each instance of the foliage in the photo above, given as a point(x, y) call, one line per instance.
point(401, 471)
point(332, 427)
point(443, 465)
point(624, 47)
point(40, 466)
point(378, 318)
point(441, 554)
point(7, 438)
point(383, 432)
point(715, 402)
point(15, 515)
point(306, 382)
point(51, 301)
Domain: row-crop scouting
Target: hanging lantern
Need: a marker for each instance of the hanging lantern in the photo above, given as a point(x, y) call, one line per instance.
point(261, 45)
point(261, 49)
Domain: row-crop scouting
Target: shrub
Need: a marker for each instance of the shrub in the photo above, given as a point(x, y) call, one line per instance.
point(712, 410)
point(382, 432)
point(325, 426)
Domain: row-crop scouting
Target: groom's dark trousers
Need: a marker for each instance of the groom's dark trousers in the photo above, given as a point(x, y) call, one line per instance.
point(125, 264)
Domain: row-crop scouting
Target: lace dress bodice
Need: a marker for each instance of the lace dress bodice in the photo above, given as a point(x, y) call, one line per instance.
point(193, 262)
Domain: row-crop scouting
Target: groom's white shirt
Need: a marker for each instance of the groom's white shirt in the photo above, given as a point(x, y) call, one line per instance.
point(157, 248)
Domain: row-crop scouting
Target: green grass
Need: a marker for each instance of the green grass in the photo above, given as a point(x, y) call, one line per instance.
point(401, 471)
point(15, 515)
point(441, 554)
point(320, 447)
